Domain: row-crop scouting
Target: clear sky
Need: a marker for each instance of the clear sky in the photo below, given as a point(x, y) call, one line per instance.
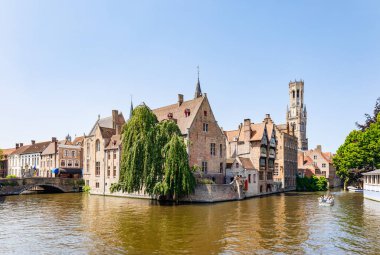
point(64, 62)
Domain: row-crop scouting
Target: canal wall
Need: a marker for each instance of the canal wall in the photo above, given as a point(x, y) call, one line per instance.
point(209, 193)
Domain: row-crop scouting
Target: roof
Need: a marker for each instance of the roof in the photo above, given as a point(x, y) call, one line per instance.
point(107, 132)
point(114, 143)
point(246, 162)
point(20, 150)
point(8, 151)
point(328, 156)
point(36, 148)
point(178, 113)
point(258, 131)
point(375, 172)
point(231, 135)
point(50, 149)
point(107, 123)
point(78, 140)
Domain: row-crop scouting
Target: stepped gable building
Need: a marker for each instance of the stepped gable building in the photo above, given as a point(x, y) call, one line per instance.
point(205, 140)
point(256, 142)
point(96, 148)
point(14, 160)
point(319, 163)
point(296, 113)
point(4, 161)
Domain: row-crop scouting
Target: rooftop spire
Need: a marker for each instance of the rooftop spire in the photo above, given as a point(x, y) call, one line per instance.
point(198, 91)
point(130, 113)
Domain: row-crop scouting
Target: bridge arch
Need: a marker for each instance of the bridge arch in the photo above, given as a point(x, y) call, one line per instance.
point(47, 188)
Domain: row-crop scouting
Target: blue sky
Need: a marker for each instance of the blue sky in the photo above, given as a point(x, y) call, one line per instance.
point(64, 62)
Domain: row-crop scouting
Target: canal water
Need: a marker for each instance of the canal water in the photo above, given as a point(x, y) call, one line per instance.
point(290, 223)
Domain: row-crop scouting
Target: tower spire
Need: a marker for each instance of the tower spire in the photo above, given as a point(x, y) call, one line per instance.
point(198, 91)
point(131, 110)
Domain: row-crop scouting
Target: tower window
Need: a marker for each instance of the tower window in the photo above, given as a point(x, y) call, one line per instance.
point(294, 94)
point(298, 93)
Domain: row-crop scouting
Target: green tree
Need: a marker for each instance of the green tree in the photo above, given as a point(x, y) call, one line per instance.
point(1, 154)
point(145, 153)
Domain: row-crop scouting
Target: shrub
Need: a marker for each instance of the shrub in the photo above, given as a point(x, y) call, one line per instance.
point(11, 176)
point(86, 188)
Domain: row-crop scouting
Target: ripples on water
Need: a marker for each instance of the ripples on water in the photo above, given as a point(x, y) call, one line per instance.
point(281, 224)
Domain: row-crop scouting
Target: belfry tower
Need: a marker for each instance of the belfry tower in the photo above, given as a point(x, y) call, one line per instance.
point(296, 116)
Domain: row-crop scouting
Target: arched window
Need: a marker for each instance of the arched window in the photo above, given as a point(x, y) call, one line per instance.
point(97, 145)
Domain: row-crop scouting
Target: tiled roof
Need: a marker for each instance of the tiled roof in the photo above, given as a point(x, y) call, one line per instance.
point(257, 131)
point(327, 156)
point(20, 150)
point(231, 135)
point(36, 148)
point(107, 132)
point(114, 143)
point(178, 113)
point(246, 162)
point(7, 152)
point(50, 149)
point(107, 123)
point(78, 140)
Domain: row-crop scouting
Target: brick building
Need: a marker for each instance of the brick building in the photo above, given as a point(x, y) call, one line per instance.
point(205, 140)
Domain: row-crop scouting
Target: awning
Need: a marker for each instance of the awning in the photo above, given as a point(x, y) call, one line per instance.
point(70, 171)
point(55, 170)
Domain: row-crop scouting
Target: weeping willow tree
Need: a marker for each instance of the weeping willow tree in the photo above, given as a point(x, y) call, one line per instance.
point(178, 179)
point(144, 140)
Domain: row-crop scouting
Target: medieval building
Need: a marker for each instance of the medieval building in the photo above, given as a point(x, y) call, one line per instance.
point(296, 113)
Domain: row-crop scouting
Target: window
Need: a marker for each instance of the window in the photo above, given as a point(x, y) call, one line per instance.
point(76, 163)
point(114, 171)
point(254, 178)
point(66, 153)
point(249, 178)
point(70, 163)
point(237, 165)
point(114, 155)
point(205, 113)
point(261, 175)
point(97, 145)
point(263, 163)
point(263, 151)
point(204, 166)
point(271, 163)
point(63, 163)
point(269, 176)
point(205, 127)
point(212, 149)
point(73, 154)
point(109, 155)
point(324, 173)
point(298, 93)
point(275, 169)
point(88, 165)
point(97, 168)
point(221, 167)
point(187, 112)
point(87, 182)
point(221, 150)
point(324, 165)
point(97, 185)
point(294, 94)
point(315, 157)
point(88, 149)
point(108, 171)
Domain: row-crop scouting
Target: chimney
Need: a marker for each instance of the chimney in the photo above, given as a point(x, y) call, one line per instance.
point(180, 99)
point(247, 129)
point(21, 144)
point(17, 146)
point(115, 114)
point(33, 142)
point(53, 139)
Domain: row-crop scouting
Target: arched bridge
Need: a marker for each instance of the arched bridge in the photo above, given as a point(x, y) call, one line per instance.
point(51, 185)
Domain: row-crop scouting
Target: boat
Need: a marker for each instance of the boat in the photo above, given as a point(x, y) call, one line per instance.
point(371, 188)
point(354, 189)
point(326, 201)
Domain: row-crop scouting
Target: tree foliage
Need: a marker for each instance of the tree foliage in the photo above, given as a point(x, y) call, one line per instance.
point(312, 183)
point(1, 154)
point(370, 118)
point(146, 154)
point(360, 151)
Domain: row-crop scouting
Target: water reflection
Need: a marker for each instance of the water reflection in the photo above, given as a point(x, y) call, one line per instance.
point(285, 224)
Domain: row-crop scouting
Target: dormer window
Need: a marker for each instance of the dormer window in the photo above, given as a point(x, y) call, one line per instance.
point(187, 112)
point(170, 115)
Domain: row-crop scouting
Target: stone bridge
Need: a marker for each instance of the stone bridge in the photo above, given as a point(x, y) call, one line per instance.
point(51, 185)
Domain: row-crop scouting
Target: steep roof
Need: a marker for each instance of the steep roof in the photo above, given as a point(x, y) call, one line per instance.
point(246, 163)
point(178, 113)
point(107, 132)
point(114, 143)
point(107, 122)
point(258, 131)
point(36, 148)
point(20, 150)
point(50, 149)
point(231, 135)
